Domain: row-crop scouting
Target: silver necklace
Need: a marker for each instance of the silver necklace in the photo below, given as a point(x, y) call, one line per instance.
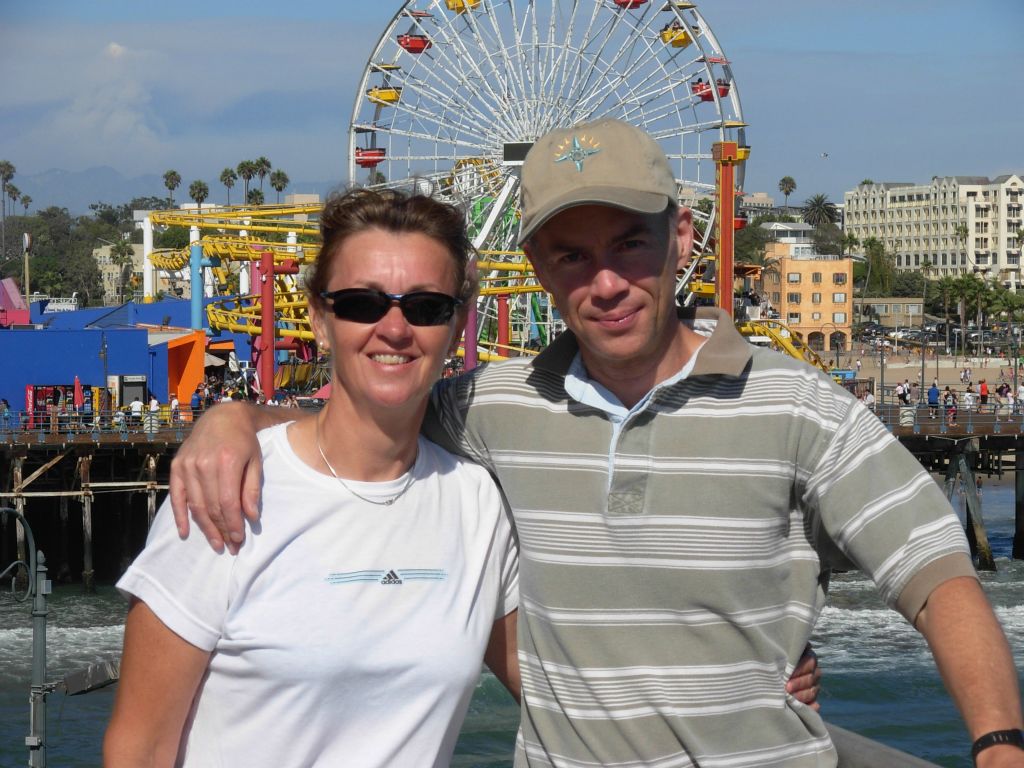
point(385, 503)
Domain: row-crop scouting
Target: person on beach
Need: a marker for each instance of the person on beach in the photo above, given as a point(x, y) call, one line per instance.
point(679, 495)
point(351, 629)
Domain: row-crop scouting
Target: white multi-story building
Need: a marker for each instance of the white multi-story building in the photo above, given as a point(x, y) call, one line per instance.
point(951, 225)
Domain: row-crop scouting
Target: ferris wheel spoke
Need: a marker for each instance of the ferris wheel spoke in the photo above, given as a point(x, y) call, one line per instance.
point(465, 57)
point(419, 113)
point(450, 103)
point(502, 74)
point(448, 72)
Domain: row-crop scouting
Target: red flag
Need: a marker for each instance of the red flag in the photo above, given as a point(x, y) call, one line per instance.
point(79, 397)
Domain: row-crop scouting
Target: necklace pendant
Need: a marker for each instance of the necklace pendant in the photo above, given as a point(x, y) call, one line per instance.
point(389, 502)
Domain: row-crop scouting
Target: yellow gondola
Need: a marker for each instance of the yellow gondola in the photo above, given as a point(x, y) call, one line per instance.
point(677, 37)
point(461, 6)
point(384, 96)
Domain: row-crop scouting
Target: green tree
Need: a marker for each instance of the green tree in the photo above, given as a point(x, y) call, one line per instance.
point(878, 268)
point(818, 210)
point(228, 177)
point(198, 191)
point(828, 239)
point(263, 167)
point(123, 256)
point(172, 180)
point(279, 181)
point(255, 197)
point(247, 171)
point(787, 186)
point(907, 284)
point(866, 182)
point(26, 201)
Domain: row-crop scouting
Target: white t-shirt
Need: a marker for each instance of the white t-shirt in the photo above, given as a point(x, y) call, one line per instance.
point(344, 632)
point(137, 407)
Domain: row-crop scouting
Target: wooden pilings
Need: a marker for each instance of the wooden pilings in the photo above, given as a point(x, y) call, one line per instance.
point(1018, 513)
point(88, 574)
point(976, 535)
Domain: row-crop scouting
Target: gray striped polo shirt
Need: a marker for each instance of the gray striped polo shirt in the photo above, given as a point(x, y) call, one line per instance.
point(673, 561)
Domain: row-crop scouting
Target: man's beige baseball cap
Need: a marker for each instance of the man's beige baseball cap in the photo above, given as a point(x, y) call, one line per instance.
point(606, 162)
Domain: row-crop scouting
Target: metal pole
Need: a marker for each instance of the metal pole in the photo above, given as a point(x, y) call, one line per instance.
point(924, 295)
point(36, 740)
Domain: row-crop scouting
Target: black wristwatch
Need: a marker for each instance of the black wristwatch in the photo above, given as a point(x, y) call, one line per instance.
point(1014, 736)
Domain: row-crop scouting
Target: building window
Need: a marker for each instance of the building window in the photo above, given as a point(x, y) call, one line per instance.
point(838, 317)
point(793, 277)
point(793, 318)
point(839, 278)
point(816, 277)
point(815, 298)
point(776, 298)
point(793, 298)
point(815, 315)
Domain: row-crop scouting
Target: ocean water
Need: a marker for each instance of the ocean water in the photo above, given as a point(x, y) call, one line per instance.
point(879, 677)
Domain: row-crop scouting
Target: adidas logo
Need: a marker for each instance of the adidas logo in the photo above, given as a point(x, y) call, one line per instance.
point(391, 578)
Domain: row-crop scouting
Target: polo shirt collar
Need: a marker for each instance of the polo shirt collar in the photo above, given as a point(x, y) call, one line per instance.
point(725, 352)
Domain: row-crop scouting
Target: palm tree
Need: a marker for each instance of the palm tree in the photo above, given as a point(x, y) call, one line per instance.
point(880, 264)
point(172, 180)
point(961, 232)
point(7, 172)
point(255, 197)
point(15, 194)
point(247, 170)
point(787, 186)
point(848, 243)
point(263, 167)
point(198, 191)
point(818, 210)
point(122, 254)
point(26, 201)
point(279, 180)
point(228, 177)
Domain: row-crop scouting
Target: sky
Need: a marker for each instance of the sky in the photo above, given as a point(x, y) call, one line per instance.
point(891, 90)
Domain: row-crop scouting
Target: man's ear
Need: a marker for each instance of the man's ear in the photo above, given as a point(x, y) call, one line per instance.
point(684, 237)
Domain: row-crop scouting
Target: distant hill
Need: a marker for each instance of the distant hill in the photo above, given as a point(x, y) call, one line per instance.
point(76, 190)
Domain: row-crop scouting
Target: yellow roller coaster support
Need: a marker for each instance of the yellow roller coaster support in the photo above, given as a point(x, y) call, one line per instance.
point(784, 339)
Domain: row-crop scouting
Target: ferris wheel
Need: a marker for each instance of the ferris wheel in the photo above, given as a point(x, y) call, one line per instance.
point(455, 92)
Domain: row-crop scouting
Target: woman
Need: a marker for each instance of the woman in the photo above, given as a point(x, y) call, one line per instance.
point(350, 629)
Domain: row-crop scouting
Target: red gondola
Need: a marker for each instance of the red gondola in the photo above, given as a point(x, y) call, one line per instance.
point(702, 89)
point(370, 158)
point(414, 43)
point(740, 222)
point(629, 3)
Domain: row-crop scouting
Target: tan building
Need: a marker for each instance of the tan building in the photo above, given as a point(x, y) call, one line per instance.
point(891, 311)
point(171, 285)
point(813, 293)
point(949, 226)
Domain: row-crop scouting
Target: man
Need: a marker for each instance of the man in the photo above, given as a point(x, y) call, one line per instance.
point(679, 497)
point(933, 398)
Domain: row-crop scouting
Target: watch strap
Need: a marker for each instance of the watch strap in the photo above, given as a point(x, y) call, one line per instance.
point(1013, 736)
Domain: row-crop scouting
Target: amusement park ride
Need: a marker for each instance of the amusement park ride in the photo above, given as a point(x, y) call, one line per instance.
point(450, 100)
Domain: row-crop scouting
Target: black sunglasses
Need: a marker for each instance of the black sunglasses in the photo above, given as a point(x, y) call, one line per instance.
point(367, 305)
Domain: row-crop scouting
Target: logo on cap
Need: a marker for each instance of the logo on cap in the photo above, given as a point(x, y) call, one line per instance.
point(577, 151)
